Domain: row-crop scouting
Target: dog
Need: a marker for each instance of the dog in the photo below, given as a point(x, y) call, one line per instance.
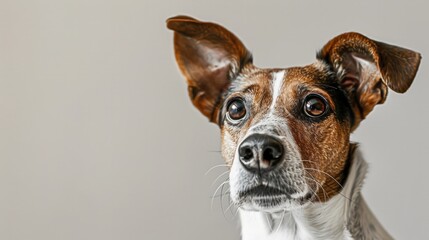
point(294, 173)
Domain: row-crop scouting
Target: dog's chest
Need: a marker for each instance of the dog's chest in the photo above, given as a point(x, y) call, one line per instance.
point(296, 225)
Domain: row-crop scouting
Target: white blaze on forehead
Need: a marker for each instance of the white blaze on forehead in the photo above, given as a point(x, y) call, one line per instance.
point(277, 84)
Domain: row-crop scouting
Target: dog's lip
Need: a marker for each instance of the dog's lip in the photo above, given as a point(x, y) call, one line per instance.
point(262, 191)
point(267, 192)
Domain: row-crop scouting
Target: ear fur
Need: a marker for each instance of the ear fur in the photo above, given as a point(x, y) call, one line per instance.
point(366, 67)
point(210, 57)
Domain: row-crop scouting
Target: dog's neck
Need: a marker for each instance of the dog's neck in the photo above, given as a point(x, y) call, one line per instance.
point(344, 216)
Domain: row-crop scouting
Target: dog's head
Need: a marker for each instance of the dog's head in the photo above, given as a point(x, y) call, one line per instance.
point(285, 132)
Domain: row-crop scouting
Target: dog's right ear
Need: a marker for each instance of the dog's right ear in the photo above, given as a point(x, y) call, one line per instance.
point(210, 57)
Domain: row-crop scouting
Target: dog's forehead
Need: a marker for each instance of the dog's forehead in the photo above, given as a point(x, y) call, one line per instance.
point(265, 81)
point(318, 72)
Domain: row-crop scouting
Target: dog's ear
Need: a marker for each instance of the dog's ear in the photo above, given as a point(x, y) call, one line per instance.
point(366, 67)
point(210, 57)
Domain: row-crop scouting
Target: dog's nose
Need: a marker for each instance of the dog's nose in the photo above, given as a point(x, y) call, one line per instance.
point(260, 152)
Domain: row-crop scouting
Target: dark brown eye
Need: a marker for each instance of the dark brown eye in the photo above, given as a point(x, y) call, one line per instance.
point(236, 109)
point(315, 106)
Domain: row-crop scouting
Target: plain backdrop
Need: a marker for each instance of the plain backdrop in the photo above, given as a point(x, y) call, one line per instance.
point(98, 139)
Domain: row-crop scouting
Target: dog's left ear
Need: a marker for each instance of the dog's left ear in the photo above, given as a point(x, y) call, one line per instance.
point(366, 67)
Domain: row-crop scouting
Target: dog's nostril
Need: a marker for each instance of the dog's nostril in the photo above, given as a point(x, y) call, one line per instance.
point(272, 153)
point(246, 153)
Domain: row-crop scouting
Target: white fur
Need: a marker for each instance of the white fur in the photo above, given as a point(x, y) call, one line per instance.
point(237, 172)
point(277, 84)
point(319, 221)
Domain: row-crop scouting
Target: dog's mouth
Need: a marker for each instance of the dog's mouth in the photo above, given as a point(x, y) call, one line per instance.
point(266, 197)
point(262, 191)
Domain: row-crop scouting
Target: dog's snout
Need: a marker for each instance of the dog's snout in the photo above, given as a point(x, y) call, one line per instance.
point(260, 152)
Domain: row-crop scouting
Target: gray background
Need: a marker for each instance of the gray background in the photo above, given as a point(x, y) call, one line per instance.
point(98, 139)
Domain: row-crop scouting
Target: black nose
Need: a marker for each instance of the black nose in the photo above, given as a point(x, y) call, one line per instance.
point(260, 152)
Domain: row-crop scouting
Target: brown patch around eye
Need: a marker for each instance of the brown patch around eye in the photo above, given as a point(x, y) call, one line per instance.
point(321, 147)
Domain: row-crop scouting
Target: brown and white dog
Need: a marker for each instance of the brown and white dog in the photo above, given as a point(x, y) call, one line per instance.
point(294, 174)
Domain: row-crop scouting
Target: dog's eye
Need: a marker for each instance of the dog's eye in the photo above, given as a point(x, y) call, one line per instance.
point(315, 105)
point(236, 109)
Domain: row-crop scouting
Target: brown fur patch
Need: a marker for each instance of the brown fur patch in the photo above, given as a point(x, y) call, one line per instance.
point(323, 145)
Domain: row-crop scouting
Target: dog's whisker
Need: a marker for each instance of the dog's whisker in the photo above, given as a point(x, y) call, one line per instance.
point(229, 207)
point(319, 184)
point(327, 174)
point(219, 177)
point(221, 201)
point(268, 221)
point(217, 189)
point(314, 192)
point(318, 170)
point(214, 151)
point(236, 211)
point(281, 221)
point(233, 205)
point(214, 167)
point(226, 193)
point(338, 192)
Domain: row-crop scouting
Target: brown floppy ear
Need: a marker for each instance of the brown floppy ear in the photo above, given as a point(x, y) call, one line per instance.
point(210, 57)
point(366, 67)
